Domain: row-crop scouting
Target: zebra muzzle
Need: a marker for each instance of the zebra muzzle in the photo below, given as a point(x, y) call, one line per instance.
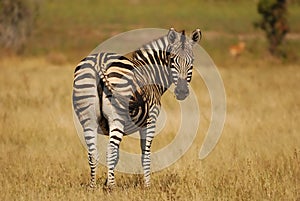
point(181, 89)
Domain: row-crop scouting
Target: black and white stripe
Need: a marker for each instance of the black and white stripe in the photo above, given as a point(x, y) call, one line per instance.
point(116, 95)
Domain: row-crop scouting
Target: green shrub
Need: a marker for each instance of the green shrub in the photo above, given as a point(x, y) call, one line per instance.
point(273, 22)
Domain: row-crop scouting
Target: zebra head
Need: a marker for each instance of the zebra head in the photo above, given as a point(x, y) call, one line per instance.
point(181, 60)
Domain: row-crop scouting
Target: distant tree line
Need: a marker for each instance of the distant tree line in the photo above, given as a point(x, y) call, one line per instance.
point(17, 19)
point(274, 23)
point(16, 23)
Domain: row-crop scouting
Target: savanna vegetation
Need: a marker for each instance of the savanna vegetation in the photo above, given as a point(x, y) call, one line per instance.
point(257, 157)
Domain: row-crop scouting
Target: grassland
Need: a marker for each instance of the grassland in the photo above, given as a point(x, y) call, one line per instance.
point(257, 158)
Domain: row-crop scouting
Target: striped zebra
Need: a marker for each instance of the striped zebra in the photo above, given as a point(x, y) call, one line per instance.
point(117, 95)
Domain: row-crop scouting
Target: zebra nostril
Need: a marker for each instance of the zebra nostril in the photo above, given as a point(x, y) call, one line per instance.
point(176, 91)
point(185, 90)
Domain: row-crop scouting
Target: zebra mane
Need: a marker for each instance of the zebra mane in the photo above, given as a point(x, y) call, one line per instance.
point(158, 44)
point(182, 39)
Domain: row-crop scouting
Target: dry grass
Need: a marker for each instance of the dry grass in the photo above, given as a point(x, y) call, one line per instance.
point(257, 158)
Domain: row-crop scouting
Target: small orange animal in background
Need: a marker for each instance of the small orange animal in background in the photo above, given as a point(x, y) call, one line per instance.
point(236, 50)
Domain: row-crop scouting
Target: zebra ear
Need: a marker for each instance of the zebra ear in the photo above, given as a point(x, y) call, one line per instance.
point(196, 36)
point(172, 36)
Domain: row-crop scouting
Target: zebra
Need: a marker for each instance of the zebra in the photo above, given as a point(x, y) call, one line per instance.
point(116, 95)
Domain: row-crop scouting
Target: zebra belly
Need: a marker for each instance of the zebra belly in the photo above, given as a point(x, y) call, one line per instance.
point(134, 115)
point(130, 127)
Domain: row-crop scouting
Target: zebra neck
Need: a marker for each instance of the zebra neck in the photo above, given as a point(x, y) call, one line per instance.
point(151, 62)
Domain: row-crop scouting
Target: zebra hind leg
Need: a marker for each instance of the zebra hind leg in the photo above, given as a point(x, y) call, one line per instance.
point(112, 161)
point(93, 155)
point(112, 157)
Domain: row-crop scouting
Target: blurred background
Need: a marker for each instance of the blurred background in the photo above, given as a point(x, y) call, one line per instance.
point(254, 43)
point(68, 31)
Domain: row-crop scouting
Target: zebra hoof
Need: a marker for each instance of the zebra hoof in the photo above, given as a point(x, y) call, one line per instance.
point(92, 185)
point(109, 186)
point(147, 186)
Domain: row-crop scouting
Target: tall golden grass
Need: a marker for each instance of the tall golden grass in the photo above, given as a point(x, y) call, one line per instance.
point(257, 158)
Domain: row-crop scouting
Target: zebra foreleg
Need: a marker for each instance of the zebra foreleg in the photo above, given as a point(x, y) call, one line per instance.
point(146, 135)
